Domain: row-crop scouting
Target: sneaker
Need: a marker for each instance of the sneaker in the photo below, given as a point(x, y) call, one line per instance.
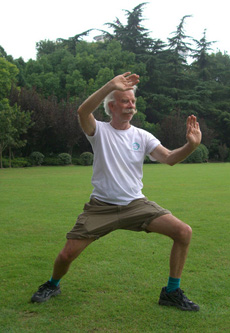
point(178, 299)
point(45, 291)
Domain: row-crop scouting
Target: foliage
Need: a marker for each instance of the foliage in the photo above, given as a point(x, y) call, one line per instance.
point(37, 158)
point(64, 159)
point(86, 158)
point(176, 80)
point(76, 160)
point(51, 160)
point(18, 162)
point(13, 124)
point(133, 36)
point(223, 152)
point(202, 58)
point(6, 128)
point(8, 73)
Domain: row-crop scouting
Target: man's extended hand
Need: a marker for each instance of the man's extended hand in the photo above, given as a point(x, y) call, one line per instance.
point(193, 134)
point(125, 81)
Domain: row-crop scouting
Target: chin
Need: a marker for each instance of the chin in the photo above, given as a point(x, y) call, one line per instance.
point(130, 116)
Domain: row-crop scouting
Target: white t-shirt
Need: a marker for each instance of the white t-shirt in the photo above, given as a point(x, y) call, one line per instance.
point(118, 162)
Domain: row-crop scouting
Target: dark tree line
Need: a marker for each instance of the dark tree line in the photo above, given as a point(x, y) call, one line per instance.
point(178, 78)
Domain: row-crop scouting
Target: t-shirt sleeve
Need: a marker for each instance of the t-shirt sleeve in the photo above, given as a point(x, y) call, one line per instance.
point(91, 138)
point(152, 143)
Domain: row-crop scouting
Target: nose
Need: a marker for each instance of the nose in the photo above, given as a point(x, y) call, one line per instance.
point(131, 104)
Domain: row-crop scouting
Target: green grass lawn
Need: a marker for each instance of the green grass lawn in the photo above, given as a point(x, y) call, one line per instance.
point(115, 284)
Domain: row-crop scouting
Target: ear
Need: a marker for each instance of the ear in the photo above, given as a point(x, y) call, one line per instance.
point(111, 105)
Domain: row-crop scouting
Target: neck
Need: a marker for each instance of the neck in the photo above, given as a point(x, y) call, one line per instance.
point(120, 126)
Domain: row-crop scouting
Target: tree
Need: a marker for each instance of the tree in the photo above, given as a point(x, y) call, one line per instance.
point(67, 127)
point(75, 84)
point(8, 73)
point(67, 71)
point(219, 67)
point(13, 124)
point(71, 42)
point(132, 36)
point(202, 57)
point(45, 47)
point(178, 43)
point(173, 131)
point(174, 83)
point(20, 122)
point(6, 127)
point(2, 52)
point(177, 54)
point(212, 87)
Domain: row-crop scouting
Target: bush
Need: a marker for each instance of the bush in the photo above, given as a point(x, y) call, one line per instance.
point(200, 155)
point(64, 159)
point(76, 161)
point(5, 163)
point(213, 149)
point(86, 158)
point(223, 152)
point(36, 158)
point(54, 161)
point(18, 162)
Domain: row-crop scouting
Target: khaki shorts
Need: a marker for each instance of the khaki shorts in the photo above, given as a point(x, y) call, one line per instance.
point(100, 218)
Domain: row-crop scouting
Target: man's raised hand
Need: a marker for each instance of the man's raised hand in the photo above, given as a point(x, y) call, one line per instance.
point(193, 134)
point(125, 81)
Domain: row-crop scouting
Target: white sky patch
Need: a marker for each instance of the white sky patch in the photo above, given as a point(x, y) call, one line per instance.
point(25, 22)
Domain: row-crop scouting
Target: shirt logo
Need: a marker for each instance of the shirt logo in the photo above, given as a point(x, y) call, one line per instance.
point(136, 146)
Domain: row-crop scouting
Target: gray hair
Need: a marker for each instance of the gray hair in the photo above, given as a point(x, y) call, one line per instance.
point(110, 98)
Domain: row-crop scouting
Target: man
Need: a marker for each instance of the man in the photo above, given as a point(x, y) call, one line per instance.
point(117, 201)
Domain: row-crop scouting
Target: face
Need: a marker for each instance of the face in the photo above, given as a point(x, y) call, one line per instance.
point(124, 106)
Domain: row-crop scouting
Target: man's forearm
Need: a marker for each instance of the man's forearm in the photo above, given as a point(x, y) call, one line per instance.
point(87, 120)
point(180, 154)
point(93, 101)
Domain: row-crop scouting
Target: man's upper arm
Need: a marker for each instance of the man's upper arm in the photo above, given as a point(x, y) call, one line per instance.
point(160, 154)
point(88, 123)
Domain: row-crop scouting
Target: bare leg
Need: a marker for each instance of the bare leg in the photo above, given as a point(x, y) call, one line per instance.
point(180, 233)
point(71, 251)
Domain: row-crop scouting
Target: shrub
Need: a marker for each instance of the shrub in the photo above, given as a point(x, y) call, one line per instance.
point(64, 159)
point(5, 162)
point(200, 155)
point(213, 149)
point(20, 162)
point(223, 152)
point(51, 161)
point(37, 158)
point(205, 153)
point(86, 158)
point(76, 161)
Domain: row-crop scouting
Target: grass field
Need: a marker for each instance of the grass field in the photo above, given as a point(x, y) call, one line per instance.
point(115, 284)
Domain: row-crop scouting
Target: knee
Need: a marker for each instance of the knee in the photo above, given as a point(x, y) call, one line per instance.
point(66, 256)
point(184, 234)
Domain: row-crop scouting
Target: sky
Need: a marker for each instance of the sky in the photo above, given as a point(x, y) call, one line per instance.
point(24, 23)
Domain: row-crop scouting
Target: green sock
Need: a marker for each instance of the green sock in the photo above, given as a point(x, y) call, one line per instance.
point(173, 284)
point(55, 282)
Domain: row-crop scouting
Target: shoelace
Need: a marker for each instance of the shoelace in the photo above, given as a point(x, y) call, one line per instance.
point(182, 295)
point(43, 286)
